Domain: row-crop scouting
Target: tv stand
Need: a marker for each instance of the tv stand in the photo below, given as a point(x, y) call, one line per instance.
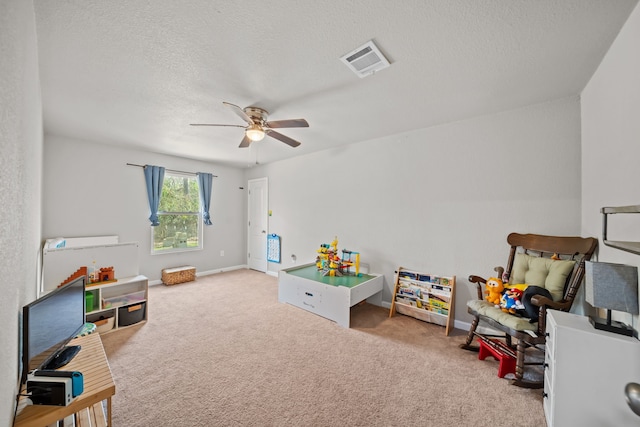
point(63, 357)
point(98, 386)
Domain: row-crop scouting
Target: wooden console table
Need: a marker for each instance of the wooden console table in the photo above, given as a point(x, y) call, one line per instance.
point(98, 386)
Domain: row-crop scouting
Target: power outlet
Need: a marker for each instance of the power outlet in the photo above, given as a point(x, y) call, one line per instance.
point(221, 253)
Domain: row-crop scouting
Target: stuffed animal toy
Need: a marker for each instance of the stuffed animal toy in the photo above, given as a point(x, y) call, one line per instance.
point(511, 300)
point(494, 288)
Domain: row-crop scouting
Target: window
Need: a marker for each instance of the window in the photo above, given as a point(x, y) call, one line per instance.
point(179, 215)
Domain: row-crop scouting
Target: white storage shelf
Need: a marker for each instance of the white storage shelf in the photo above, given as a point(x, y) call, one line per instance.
point(130, 293)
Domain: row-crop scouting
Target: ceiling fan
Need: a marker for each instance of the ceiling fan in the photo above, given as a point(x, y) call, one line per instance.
point(258, 126)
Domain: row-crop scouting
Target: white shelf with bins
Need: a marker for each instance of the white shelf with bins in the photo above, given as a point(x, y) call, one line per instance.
point(115, 304)
point(427, 297)
point(118, 304)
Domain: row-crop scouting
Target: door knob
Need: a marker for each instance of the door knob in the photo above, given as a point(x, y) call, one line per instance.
point(632, 393)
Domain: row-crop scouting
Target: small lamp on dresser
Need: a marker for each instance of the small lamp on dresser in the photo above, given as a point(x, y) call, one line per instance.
point(612, 287)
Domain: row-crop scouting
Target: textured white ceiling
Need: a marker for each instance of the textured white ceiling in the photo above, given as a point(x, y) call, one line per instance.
point(136, 73)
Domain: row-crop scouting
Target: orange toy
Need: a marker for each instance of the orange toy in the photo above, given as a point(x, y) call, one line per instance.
point(494, 290)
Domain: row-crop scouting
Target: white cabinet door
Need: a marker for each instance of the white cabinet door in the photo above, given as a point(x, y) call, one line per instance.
point(588, 371)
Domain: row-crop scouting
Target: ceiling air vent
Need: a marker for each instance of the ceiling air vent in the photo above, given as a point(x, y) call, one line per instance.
point(365, 60)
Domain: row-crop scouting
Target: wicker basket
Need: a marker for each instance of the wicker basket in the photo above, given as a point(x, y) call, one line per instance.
point(173, 276)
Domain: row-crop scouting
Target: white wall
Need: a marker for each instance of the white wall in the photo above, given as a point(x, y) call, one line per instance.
point(90, 191)
point(441, 200)
point(611, 144)
point(20, 185)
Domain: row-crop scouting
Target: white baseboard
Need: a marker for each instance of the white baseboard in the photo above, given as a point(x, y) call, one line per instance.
point(206, 273)
point(222, 270)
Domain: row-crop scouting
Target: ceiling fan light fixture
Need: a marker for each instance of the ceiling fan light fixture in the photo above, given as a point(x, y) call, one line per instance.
point(255, 133)
point(258, 125)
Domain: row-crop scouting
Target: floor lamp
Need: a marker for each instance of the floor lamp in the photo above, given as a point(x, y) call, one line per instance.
point(612, 287)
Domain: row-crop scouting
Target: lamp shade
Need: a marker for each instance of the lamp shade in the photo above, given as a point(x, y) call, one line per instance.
point(612, 286)
point(254, 132)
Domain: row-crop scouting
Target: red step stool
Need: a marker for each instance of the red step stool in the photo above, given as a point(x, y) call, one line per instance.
point(501, 352)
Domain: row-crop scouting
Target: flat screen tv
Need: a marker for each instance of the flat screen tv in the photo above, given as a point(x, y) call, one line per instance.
point(49, 323)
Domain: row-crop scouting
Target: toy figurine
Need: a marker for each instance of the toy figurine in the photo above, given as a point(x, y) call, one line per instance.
point(511, 300)
point(494, 288)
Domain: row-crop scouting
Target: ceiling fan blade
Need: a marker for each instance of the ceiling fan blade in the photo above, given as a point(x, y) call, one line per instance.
point(210, 124)
point(283, 138)
point(292, 123)
point(239, 111)
point(245, 142)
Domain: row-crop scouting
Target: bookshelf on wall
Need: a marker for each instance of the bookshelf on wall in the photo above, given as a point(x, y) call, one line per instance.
point(427, 297)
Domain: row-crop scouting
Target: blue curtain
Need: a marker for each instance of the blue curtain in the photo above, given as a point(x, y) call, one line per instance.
point(154, 175)
point(204, 183)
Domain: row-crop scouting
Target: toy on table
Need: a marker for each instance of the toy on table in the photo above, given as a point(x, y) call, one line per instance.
point(331, 264)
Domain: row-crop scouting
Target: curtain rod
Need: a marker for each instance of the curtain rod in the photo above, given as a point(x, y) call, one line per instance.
point(169, 170)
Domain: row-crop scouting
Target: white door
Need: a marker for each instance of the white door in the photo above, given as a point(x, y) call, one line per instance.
point(258, 224)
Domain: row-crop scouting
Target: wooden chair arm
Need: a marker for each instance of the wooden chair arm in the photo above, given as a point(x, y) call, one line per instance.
point(544, 303)
point(479, 281)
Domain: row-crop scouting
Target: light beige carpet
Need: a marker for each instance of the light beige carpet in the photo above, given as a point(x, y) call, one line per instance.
point(221, 351)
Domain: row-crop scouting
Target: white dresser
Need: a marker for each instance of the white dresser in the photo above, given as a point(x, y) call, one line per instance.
point(586, 372)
